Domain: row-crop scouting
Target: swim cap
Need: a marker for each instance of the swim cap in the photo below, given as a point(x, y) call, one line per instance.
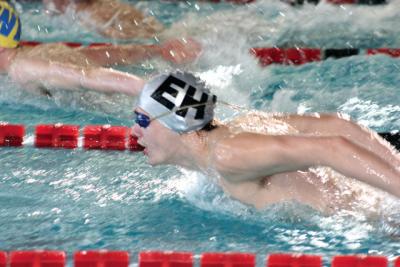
point(10, 26)
point(180, 101)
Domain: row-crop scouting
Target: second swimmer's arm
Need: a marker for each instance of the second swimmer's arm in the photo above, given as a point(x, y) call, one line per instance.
point(110, 55)
point(248, 156)
point(177, 51)
point(46, 74)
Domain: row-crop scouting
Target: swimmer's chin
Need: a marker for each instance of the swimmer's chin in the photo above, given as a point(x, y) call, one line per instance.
point(150, 161)
point(154, 162)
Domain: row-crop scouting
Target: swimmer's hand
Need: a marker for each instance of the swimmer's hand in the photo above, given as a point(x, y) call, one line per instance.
point(180, 51)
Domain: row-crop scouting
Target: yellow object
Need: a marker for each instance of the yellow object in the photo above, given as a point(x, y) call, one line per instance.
point(10, 25)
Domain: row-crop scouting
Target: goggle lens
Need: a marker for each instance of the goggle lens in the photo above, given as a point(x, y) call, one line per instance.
point(142, 120)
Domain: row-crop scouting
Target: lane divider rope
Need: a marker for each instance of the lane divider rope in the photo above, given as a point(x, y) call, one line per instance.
point(277, 55)
point(104, 137)
point(299, 56)
point(101, 258)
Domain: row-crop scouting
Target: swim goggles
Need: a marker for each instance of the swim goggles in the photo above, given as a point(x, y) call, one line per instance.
point(144, 120)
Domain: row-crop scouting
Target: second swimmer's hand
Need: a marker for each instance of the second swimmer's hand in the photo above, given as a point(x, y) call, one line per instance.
point(180, 51)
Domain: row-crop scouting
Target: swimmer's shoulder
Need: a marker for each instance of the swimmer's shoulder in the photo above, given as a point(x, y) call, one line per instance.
point(261, 123)
point(225, 149)
point(251, 117)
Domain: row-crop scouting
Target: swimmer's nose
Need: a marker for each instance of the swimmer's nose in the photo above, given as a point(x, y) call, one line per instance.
point(137, 131)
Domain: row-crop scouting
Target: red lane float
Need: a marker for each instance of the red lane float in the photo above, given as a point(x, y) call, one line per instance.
point(101, 259)
point(227, 260)
point(56, 136)
point(105, 258)
point(298, 56)
point(3, 259)
point(105, 137)
point(59, 135)
point(294, 260)
point(37, 258)
point(393, 52)
point(288, 56)
point(357, 261)
point(165, 259)
point(397, 262)
point(11, 134)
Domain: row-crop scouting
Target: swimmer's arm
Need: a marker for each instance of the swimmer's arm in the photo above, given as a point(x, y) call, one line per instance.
point(65, 76)
point(55, 6)
point(109, 55)
point(247, 156)
point(339, 124)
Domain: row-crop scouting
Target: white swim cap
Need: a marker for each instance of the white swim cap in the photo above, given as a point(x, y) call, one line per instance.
point(180, 101)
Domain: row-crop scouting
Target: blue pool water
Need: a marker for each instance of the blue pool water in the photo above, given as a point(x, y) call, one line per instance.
point(75, 200)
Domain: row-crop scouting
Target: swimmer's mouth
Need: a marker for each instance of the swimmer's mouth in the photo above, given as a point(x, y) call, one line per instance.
point(138, 140)
point(141, 143)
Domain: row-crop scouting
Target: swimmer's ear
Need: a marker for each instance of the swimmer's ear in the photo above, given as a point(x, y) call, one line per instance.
point(47, 93)
point(44, 92)
point(37, 90)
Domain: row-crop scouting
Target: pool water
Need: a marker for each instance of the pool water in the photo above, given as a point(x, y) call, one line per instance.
point(74, 199)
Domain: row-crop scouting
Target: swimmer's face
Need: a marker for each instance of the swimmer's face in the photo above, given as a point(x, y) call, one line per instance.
point(4, 62)
point(159, 141)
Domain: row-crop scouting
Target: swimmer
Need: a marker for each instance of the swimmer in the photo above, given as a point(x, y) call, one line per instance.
point(260, 158)
point(48, 66)
point(111, 18)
